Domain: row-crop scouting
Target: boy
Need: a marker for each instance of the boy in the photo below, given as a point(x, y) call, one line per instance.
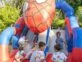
point(58, 56)
point(38, 56)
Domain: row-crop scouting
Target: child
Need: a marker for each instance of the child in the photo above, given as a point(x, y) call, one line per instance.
point(58, 56)
point(59, 40)
point(38, 56)
point(20, 55)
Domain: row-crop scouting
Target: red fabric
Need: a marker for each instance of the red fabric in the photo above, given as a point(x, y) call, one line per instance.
point(25, 60)
point(69, 58)
point(77, 55)
point(12, 54)
point(40, 16)
point(49, 58)
point(20, 22)
point(67, 22)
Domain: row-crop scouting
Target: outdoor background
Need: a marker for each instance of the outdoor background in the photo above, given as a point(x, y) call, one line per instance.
point(11, 10)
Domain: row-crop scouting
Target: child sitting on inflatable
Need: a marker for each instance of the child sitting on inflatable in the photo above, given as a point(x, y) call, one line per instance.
point(20, 55)
point(58, 56)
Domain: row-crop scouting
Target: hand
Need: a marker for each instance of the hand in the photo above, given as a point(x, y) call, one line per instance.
point(21, 57)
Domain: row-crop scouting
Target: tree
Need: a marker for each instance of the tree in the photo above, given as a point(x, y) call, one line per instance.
point(75, 3)
point(8, 15)
point(79, 15)
point(59, 18)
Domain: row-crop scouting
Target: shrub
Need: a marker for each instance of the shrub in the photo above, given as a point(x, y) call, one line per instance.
point(8, 16)
point(79, 15)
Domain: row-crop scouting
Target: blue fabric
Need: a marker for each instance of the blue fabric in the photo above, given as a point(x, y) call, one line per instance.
point(66, 33)
point(47, 36)
point(73, 22)
point(59, 0)
point(65, 7)
point(36, 39)
point(69, 39)
point(15, 44)
point(77, 38)
point(46, 50)
point(70, 44)
point(68, 11)
point(6, 36)
point(17, 25)
point(25, 31)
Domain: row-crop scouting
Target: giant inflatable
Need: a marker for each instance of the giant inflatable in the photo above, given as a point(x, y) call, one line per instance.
point(38, 17)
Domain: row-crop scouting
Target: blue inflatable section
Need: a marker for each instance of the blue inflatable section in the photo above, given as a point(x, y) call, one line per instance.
point(47, 37)
point(68, 11)
point(17, 25)
point(77, 38)
point(25, 31)
point(70, 44)
point(14, 40)
point(69, 40)
point(67, 36)
point(73, 22)
point(6, 36)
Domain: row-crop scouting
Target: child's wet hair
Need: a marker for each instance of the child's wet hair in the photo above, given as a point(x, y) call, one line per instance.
point(41, 44)
point(57, 47)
